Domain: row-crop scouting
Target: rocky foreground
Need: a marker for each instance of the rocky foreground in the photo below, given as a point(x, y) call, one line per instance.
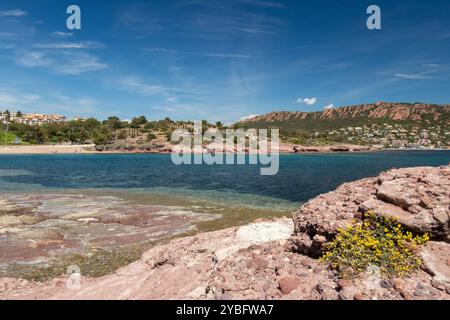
point(278, 259)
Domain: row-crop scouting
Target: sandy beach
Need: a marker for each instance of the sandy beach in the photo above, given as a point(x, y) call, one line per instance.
point(48, 149)
point(284, 148)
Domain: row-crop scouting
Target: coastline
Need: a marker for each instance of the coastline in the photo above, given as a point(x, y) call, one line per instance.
point(47, 149)
point(284, 149)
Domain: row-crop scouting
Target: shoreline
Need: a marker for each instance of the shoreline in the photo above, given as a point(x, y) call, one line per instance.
point(47, 149)
point(271, 259)
point(90, 149)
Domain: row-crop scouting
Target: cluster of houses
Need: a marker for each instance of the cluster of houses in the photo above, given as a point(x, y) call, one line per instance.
point(30, 118)
point(395, 136)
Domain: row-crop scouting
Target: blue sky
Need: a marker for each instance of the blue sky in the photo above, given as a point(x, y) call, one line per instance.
point(220, 60)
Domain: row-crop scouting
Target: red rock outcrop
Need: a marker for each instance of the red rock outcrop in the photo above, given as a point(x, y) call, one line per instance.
point(392, 111)
point(418, 197)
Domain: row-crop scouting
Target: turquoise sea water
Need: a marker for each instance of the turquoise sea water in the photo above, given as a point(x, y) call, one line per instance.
point(173, 200)
point(156, 178)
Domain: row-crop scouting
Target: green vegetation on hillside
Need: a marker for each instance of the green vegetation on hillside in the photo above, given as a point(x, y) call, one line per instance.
point(94, 131)
point(374, 122)
point(10, 138)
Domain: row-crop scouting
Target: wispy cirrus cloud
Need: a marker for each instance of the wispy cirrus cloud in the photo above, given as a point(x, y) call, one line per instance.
point(34, 59)
point(79, 63)
point(412, 76)
point(426, 71)
point(140, 86)
point(71, 45)
point(69, 104)
point(68, 58)
point(161, 50)
point(13, 13)
point(16, 99)
point(202, 22)
point(66, 62)
point(203, 54)
point(264, 4)
point(61, 34)
point(228, 55)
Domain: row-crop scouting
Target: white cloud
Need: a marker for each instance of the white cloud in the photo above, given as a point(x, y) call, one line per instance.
point(61, 34)
point(171, 99)
point(13, 13)
point(411, 76)
point(177, 109)
point(138, 85)
point(161, 50)
point(16, 100)
point(71, 45)
point(432, 65)
point(34, 59)
point(307, 101)
point(265, 4)
point(68, 62)
point(7, 34)
point(6, 99)
point(250, 116)
point(203, 54)
point(227, 55)
point(79, 63)
point(328, 107)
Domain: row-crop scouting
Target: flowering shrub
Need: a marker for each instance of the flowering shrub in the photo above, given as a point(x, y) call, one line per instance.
point(379, 241)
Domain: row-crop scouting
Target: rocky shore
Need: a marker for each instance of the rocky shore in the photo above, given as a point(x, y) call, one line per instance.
point(164, 148)
point(284, 147)
point(278, 259)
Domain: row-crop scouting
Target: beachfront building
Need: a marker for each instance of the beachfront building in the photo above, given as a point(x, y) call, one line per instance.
point(6, 116)
point(40, 119)
point(31, 118)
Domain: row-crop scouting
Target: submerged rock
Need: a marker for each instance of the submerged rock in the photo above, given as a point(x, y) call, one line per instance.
point(39, 231)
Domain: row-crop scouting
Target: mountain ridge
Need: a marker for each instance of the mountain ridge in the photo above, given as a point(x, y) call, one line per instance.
point(414, 112)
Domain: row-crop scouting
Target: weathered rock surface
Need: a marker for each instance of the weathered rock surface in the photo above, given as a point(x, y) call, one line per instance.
point(418, 197)
point(231, 263)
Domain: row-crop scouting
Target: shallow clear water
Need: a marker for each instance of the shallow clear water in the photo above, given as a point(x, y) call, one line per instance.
point(171, 200)
point(156, 178)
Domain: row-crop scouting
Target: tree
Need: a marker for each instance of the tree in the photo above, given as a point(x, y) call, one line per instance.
point(19, 114)
point(205, 126)
point(8, 116)
point(113, 123)
point(150, 125)
point(101, 139)
point(138, 121)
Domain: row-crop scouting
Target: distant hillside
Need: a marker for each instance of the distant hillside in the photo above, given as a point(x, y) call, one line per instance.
point(381, 112)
